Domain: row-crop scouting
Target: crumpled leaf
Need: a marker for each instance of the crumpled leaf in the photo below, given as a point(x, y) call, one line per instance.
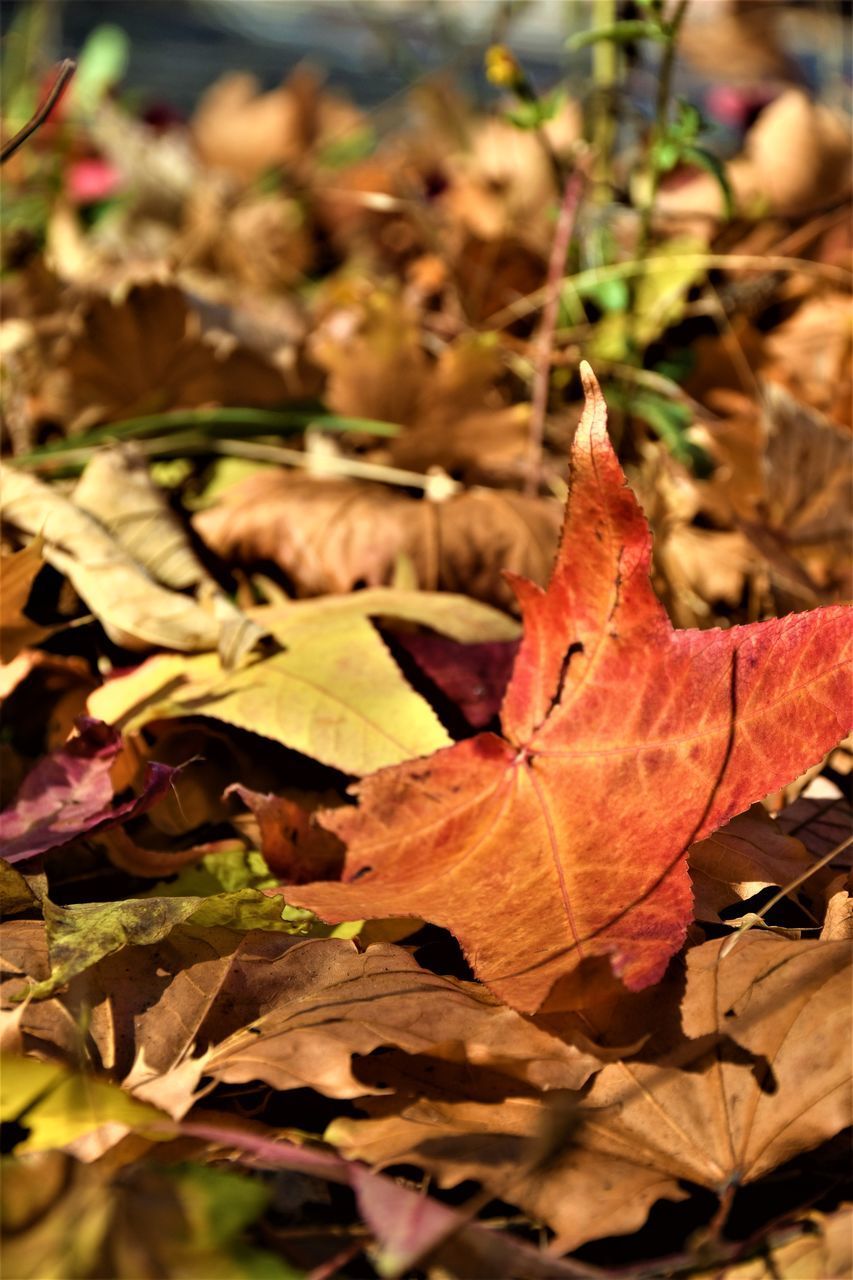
point(334, 692)
point(134, 610)
point(784, 481)
point(293, 1014)
point(684, 1109)
point(294, 847)
point(331, 535)
point(117, 490)
point(625, 742)
point(81, 935)
point(450, 410)
point(18, 571)
point(69, 794)
point(745, 856)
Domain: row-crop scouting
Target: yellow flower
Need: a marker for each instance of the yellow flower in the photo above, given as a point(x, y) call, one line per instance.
point(502, 69)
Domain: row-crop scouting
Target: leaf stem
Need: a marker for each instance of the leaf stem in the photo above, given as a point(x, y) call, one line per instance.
point(566, 219)
point(66, 70)
point(251, 422)
point(731, 942)
point(661, 125)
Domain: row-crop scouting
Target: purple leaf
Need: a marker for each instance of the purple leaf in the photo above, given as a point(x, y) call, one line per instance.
point(474, 676)
point(69, 794)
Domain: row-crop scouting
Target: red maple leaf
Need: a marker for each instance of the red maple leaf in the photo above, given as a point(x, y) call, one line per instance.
point(623, 742)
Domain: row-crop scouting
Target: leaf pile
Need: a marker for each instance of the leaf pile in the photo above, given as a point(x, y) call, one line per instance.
point(418, 860)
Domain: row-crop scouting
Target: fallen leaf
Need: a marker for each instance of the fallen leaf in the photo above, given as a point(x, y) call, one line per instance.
point(117, 490)
point(784, 481)
point(626, 741)
point(15, 894)
point(147, 354)
point(745, 856)
point(18, 572)
point(135, 611)
point(66, 1111)
point(683, 1110)
point(79, 936)
point(473, 676)
point(237, 128)
point(451, 413)
point(295, 1016)
point(69, 794)
point(294, 847)
point(334, 535)
point(334, 693)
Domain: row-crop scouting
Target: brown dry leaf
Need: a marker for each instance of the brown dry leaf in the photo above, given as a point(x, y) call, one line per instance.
point(262, 242)
point(703, 1112)
point(784, 481)
point(18, 571)
point(334, 535)
point(134, 610)
point(502, 183)
point(245, 132)
point(263, 1006)
point(296, 849)
point(838, 925)
point(796, 157)
point(117, 490)
point(747, 855)
point(811, 354)
point(146, 354)
point(450, 408)
point(736, 40)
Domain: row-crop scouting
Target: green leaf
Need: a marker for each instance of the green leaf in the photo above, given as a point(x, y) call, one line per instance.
point(711, 164)
point(58, 1106)
point(669, 419)
point(101, 65)
point(611, 295)
point(666, 154)
point(620, 32)
point(81, 935)
point(15, 894)
point(533, 114)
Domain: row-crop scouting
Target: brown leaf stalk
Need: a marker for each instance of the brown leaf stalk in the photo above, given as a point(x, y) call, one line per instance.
point(66, 70)
point(566, 220)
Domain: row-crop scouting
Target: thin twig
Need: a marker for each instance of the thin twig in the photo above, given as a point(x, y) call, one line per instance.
point(566, 219)
point(661, 124)
point(64, 74)
point(531, 302)
point(730, 942)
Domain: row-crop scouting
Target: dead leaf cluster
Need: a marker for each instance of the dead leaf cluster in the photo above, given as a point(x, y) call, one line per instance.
point(417, 859)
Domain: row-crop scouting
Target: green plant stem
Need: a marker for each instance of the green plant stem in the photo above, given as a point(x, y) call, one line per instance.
point(584, 280)
point(210, 422)
point(566, 219)
point(605, 74)
point(661, 124)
